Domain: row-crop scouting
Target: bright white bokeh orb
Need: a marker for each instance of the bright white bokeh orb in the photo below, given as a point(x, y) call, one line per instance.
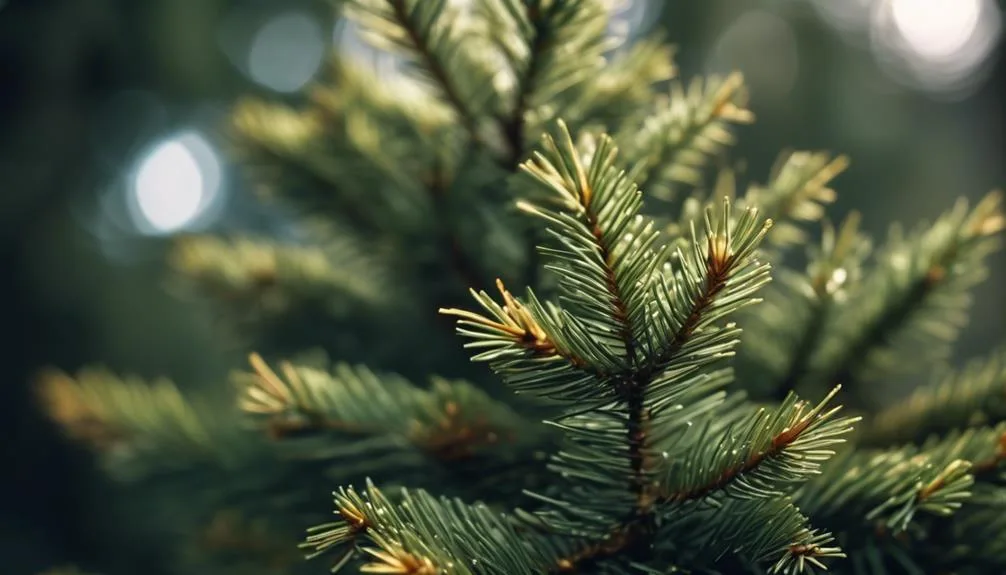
point(286, 52)
point(941, 46)
point(938, 46)
point(174, 184)
point(936, 29)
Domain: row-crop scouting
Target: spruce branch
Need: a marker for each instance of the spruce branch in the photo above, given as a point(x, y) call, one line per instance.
point(411, 138)
point(889, 489)
point(611, 265)
point(525, 33)
point(916, 296)
point(785, 330)
point(651, 466)
point(535, 25)
point(429, 535)
point(831, 272)
point(449, 421)
point(741, 475)
point(912, 503)
point(591, 223)
point(443, 42)
point(688, 128)
point(273, 277)
point(519, 345)
point(403, 137)
point(283, 150)
point(718, 276)
point(984, 447)
point(401, 161)
point(757, 531)
point(975, 395)
point(556, 51)
point(759, 455)
point(140, 427)
point(797, 191)
point(646, 331)
point(597, 209)
point(626, 84)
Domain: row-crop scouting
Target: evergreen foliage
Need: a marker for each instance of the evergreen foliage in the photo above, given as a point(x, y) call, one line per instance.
point(647, 411)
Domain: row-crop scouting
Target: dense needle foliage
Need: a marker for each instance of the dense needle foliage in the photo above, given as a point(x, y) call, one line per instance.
point(659, 359)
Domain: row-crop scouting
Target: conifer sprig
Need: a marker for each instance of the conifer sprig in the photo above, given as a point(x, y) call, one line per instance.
point(916, 505)
point(451, 420)
point(142, 428)
point(975, 395)
point(269, 278)
point(344, 143)
point(611, 265)
point(518, 344)
point(554, 49)
point(597, 218)
point(690, 126)
point(432, 536)
point(797, 192)
point(644, 464)
point(916, 296)
point(784, 331)
point(625, 85)
point(759, 455)
point(639, 334)
point(767, 531)
point(891, 487)
point(443, 44)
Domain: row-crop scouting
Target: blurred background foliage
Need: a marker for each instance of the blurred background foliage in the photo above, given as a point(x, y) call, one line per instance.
point(98, 95)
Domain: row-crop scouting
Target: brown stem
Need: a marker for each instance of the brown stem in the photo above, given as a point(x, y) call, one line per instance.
point(452, 439)
point(514, 127)
point(779, 443)
point(636, 534)
point(436, 68)
point(459, 260)
point(633, 388)
point(992, 464)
